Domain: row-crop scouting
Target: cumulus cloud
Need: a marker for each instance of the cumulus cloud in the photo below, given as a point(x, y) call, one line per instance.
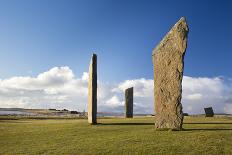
point(196, 96)
point(56, 88)
point(59, 88)
point(204, 92)
point(142, 87)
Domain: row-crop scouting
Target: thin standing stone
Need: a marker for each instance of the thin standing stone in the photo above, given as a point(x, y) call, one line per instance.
point(129, 102)
point(92, 91)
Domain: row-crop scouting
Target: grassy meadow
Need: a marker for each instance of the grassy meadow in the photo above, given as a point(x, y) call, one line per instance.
point(114, 136)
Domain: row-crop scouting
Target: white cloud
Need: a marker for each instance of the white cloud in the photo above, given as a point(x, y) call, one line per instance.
point(196, 96)
point(114, 101)
point(58, 88)
point(228, 108)
point(142, 87)
point(204, 92)
point(85, 76)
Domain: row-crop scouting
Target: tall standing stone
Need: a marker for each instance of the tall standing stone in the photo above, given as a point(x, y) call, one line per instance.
point(129, 103)
point(92, 91)
point(168, 61)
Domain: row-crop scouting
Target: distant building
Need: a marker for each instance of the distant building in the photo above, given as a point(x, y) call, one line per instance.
point(52, 109)
point(64, 110)
point(74, 112)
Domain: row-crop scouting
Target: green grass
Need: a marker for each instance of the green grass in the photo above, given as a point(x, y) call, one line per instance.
point(115, 136)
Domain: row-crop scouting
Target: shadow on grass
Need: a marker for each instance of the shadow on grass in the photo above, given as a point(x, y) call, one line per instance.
point(198, 129)
point(5, 118)
point(13, 121)
point(209, 123)
point(125, 123)
point(40, 118)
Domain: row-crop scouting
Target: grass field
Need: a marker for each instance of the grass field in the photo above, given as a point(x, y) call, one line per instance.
point(115, 136)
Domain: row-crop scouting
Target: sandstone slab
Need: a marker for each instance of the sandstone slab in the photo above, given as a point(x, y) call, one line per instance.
point(129, 102)
point(168, 62)
point(209, 112)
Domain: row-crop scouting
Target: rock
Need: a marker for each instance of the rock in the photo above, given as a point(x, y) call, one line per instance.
point(92, 91)
point(129, 103)
point(168, 61)
point(209, 112)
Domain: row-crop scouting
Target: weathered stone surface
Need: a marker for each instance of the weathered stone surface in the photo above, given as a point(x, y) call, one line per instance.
point(168, 61)
point(209, 112)
point(92, 91)
point(129, 103)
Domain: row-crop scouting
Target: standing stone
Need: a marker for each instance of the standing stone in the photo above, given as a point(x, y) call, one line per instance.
point(168, 61)
point(129, 102)
point(92, 91)
point(209, 112)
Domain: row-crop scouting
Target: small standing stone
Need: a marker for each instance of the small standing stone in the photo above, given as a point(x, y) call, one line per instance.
point(129, 102)
point(92, 91)
point(168, 61)
point(209, 112)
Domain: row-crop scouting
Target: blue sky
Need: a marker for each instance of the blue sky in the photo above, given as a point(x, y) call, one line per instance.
point(46, 46)
point(38, 35)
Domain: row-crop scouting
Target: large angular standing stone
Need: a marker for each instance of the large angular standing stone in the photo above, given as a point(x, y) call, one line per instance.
point(129, 102)
point(92, 91)
point(209, 112)
point(168, 61)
